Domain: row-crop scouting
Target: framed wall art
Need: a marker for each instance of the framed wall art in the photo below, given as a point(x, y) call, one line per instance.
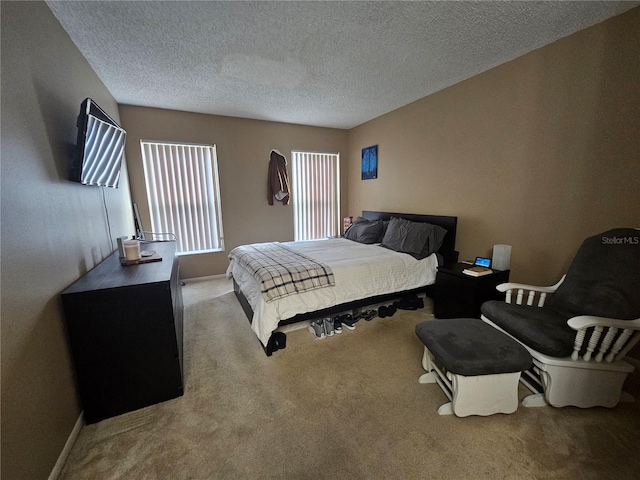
point(370, 162)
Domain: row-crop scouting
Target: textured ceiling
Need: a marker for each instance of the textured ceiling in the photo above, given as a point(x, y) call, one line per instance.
point(332, 64)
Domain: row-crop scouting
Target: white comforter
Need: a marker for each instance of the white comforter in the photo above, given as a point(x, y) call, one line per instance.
point(360, 271)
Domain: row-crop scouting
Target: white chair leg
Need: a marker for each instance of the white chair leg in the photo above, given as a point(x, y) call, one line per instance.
point(446, 409)
point(535, 400)
point(427, 359)
point(427, 378)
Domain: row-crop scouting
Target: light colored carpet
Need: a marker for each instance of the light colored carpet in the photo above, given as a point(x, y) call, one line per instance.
point(348, 406)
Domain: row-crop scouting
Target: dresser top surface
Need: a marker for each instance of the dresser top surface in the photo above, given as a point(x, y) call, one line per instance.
point(111, 274)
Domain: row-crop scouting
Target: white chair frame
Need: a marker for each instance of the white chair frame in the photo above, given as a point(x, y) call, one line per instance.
point(593, 379)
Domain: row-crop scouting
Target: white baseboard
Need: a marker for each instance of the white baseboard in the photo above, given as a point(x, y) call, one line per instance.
point(219, 276)
point(62, 459)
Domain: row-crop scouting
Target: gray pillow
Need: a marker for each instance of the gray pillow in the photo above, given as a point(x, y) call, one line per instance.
point(406, 236)
point(434, 241)
point(364, 231)
point(385, 225)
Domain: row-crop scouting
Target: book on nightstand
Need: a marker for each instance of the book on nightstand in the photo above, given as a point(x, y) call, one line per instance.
point(477, 271)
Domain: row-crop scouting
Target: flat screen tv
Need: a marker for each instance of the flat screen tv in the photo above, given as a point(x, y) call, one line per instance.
point(99, 149)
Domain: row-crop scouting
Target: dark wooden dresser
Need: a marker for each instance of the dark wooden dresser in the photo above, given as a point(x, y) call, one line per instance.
point(125, 331)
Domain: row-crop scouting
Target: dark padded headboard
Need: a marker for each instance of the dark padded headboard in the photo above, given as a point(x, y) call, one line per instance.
point(448, 248)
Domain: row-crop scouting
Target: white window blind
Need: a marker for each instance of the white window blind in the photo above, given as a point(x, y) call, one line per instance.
point(184, 194)
point(316, 195)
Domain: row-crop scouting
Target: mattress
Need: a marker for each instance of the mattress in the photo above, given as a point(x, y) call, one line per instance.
point(360, 271)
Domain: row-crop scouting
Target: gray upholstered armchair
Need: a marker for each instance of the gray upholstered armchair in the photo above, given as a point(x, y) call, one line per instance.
point(579, 337)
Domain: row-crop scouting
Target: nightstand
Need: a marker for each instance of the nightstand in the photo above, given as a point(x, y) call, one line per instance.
point(457, 295)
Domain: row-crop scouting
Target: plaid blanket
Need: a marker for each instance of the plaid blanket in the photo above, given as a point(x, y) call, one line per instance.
point(280, 270)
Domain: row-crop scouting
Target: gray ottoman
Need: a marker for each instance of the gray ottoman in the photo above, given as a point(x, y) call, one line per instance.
point(477, 366)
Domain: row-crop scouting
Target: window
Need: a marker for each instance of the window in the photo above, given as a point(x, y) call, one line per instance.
point(184, 194)
point(316, 195)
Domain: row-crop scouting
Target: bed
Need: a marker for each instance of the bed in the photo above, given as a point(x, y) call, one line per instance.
point(355, 273)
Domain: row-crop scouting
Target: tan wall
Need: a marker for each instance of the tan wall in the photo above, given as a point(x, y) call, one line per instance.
point(538, 153)
point(53, 231)
point(243, 148)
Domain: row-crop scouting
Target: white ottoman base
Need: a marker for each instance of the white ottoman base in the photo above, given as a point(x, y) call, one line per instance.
point(478, 395)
